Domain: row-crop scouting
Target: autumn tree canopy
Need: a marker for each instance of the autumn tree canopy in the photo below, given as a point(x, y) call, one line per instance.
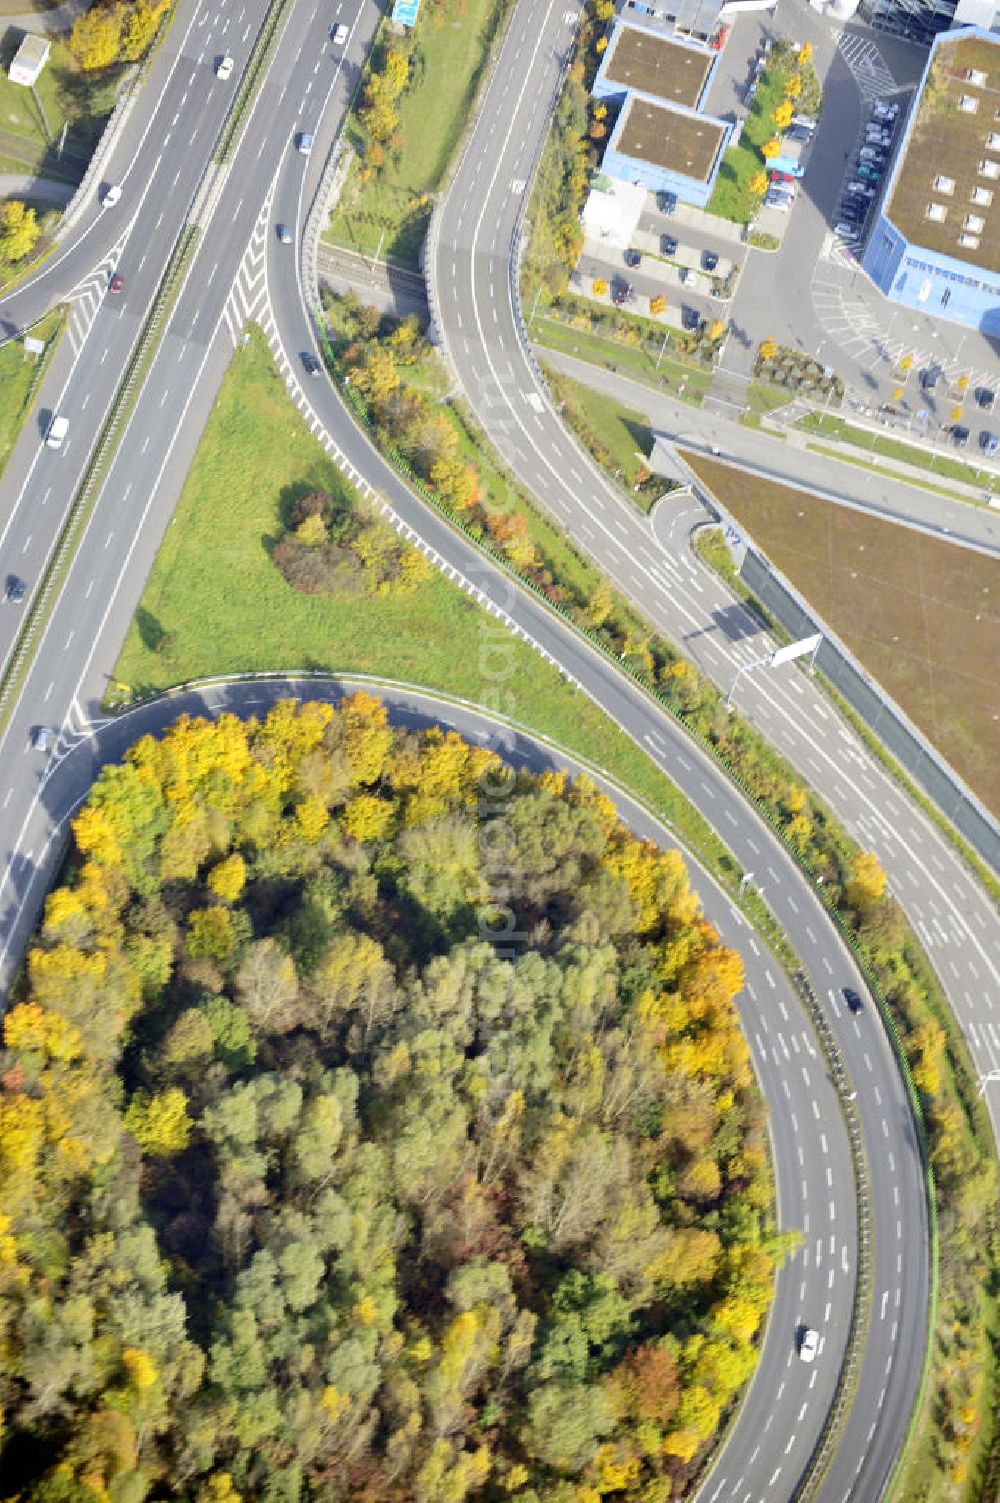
point(375, 1124)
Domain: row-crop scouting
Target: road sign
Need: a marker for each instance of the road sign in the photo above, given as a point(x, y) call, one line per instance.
point(33, 346)
point(796, 649)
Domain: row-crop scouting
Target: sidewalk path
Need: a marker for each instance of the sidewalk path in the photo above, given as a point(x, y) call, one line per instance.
point(45, 189)
point(759, 453)
point(60, 18)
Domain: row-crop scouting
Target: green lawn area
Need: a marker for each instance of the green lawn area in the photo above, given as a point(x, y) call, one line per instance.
point(453, 43)
point(215, 603)
point(619, 438)
point(68, 97)
point(731, 197)
point(895, 448)
point(689, 382)
point(20, 379)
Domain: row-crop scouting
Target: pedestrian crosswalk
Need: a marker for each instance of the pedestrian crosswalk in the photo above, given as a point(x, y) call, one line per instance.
point(868, 67)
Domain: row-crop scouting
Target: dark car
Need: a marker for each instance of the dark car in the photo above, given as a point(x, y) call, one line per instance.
point(985, 398)
point(988, 442)
point(117, 282)
point(666, 202)
point(14, 590)
point(709, 260)
point(311, 364)
point(620, 293)
point(632, 258)
point(930, 377)
point(853, 1000)
point(668, 245)
point(690, 318)
point(284, 234)
point(959, 435)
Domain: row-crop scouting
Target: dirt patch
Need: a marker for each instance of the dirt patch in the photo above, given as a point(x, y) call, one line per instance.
point(922, 616)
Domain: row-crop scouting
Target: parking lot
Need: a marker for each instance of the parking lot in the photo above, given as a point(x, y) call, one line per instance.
point(680, 253)
point(870, 161)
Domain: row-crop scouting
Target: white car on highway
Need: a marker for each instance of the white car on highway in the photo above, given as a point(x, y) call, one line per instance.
point(224, 68)
point(808, 1344)
point(339, 35)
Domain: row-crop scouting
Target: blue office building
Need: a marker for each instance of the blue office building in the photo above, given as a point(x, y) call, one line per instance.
point(935, 243)
point(661, 138)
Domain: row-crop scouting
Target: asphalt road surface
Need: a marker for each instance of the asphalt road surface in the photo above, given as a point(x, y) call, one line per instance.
point(473, 262)
point(307, 86)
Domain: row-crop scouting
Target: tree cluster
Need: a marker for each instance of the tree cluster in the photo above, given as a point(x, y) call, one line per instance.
point(375, 1124)
point(378, 113)
point(330, 548)
point(19, 231)
point(117, 32)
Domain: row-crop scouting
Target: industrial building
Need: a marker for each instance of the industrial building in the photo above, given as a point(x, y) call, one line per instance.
point(935, 243)
point(661, 138)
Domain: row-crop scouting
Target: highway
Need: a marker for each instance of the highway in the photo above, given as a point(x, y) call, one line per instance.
point(159, 175)
point(473, 274)
point(308, 88)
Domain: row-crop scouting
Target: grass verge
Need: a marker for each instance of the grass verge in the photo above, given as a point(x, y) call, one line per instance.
point(686, 382)
point(894, 448)
point(618, 438)
point(20, 377)
point(68, 97)
point(452, 48)
point(256, 457)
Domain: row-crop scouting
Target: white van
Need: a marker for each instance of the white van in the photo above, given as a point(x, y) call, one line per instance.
point(56, 431)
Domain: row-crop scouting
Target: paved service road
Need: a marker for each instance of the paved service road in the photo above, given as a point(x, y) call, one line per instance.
point(473, 250)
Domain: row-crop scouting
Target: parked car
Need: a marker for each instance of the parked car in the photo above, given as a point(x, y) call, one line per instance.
point(782, 177)
point(632, 258)
point(864, 189)
point(798, 133)
point(808, 1344)
point(690, 319)
point(666, 202)
point(989, 442)
point(870, 174)
point(853, 1000)
point(959, 435)
point(224, 67)
point(687, 277)
point(668, 245)
point(845, 231)
point(620, 293)
point(774, 202)
point(929, 377)
point(985, 397)
point(14, 590)
point(709, 260)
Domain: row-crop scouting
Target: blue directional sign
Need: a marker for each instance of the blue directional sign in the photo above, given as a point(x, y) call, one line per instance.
point(404, 12)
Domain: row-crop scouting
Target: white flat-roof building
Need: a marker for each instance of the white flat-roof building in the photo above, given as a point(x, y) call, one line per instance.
point(29, 60)
point(612, 212)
